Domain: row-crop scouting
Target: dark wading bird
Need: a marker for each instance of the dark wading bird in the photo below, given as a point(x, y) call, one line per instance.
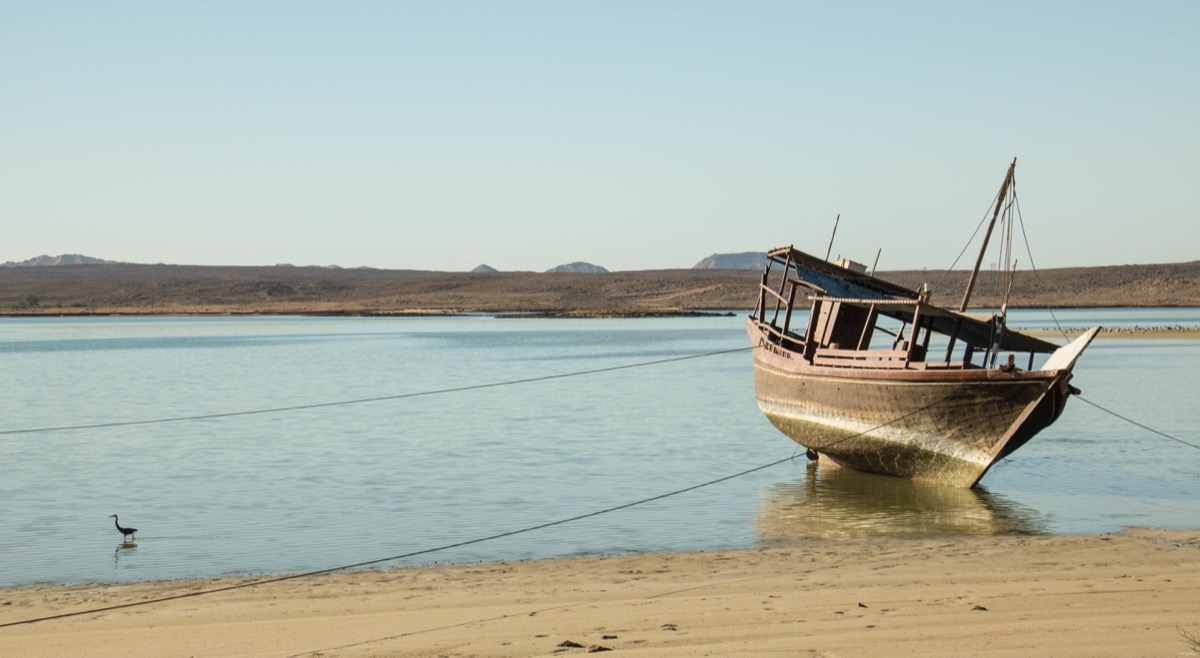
point(127, 533)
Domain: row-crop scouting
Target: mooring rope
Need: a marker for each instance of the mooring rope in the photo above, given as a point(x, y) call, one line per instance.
point(1137, 424)
point(477, 540)
point(445, 547)
point(382, 398)
point(392, 558)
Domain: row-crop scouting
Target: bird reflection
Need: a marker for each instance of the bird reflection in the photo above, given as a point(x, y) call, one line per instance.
point(122, 548)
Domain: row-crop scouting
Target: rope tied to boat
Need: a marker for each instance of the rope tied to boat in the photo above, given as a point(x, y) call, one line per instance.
point(381, 398)
point(1133, 422)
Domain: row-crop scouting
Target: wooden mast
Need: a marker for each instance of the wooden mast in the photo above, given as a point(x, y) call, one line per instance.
point(988, 235)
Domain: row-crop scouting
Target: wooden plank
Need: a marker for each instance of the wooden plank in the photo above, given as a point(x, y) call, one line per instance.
point(861, 354)
point(857, 364)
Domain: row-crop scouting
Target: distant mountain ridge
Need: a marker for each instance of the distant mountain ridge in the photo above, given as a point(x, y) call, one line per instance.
point(746, 260)
point(64, 259)
point(749, 260)
point(579, 266)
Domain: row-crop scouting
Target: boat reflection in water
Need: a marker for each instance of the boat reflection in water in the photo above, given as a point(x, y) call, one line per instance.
point(831, 502)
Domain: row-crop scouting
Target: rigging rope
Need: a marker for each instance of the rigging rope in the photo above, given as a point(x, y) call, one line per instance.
point(383, 398)
point(1033, 266)
point(950, 270)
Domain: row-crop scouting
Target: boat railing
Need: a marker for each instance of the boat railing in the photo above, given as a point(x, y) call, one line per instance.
point(837, 357)
point(777, 336)
point(776, 322)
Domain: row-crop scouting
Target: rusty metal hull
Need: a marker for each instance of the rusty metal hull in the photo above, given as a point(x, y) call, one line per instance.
point(948, 426)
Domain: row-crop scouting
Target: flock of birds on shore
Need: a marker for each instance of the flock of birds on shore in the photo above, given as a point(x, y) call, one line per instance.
point(1135, 329)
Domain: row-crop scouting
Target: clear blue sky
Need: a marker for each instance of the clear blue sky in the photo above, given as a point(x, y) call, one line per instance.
point(634, 135)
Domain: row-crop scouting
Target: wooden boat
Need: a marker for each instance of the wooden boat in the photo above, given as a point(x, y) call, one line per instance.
point(880, 380)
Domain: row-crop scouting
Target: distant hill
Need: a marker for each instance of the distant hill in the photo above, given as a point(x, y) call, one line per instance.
point(317, 267)
point(127, 288)
point(64, 259)
point(579, 267)
point(746, 260)
point(484, 269)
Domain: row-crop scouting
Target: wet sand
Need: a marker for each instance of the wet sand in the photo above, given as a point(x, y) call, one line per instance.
point(1133, 593)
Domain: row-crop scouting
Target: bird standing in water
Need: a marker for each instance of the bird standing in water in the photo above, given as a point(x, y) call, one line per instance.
point(127, 533)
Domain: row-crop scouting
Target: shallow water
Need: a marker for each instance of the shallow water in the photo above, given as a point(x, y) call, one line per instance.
point(325, 486)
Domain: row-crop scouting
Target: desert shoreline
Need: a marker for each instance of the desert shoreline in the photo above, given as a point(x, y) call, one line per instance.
point(1128, 593)
point(1166, 331)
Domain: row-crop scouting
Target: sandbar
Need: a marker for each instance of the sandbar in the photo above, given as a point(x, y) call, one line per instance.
point(1120, 332)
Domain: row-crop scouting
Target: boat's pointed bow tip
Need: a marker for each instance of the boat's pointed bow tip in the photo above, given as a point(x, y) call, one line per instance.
point(1088, 336)
point(1065, 357)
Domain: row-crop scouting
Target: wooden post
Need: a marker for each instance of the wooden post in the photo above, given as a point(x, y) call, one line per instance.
point(832, 236)
point(953, 339)
point(912, 342)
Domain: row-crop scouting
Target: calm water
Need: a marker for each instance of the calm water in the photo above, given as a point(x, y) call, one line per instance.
point(332, 485)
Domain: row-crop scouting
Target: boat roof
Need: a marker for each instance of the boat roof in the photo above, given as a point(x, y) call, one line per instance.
point(834, 283)
point(830, 279)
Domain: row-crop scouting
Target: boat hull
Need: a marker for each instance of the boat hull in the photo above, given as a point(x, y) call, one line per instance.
point(948, 426)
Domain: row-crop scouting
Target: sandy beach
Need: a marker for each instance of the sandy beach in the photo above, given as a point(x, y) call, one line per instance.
point(1127, 594)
